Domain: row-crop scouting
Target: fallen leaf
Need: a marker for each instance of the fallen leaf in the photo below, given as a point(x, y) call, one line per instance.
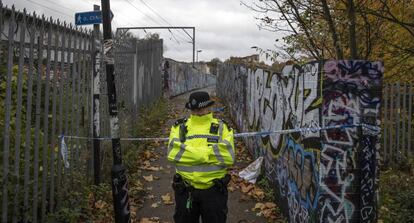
point(147, 154)
point(267, 213)
point(145, 220)
point(167, 199)
point(155, 205)
point(246, 189)
point(150, 220)
point(155, 219)
point(270, 205)
point(266, 210)
point(100, 204)
point(149, 178)
point(258, 206)
point(151, 168)
point(258, 193)
point(133, 209)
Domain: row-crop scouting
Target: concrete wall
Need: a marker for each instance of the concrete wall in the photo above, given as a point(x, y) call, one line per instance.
point(322, 176)
point(184, 77)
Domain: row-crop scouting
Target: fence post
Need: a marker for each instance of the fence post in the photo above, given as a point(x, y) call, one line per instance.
point(7, 106)
point(391, 123)
point(37, 121)
point(403, 115)
point(397, 129)
point(410, 104)
point(54, 116)
point(27, 147)
point(385, 121)
point(18, 117)
point(1, 30)
point(119, 178)
point(46, 119)
point(95, 101)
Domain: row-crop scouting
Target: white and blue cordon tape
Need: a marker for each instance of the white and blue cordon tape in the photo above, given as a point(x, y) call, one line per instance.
point(371, 128)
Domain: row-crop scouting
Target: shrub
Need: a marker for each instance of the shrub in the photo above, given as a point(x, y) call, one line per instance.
point(397, 194)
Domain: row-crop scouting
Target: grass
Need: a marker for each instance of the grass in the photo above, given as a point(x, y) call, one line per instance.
point(397, 193)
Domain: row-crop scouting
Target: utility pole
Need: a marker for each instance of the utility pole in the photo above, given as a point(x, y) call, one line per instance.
point(119, 178)
point(193, 45)
point(96, 83)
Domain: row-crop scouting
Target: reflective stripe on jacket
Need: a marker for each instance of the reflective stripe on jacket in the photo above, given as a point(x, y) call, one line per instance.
point(204, 156)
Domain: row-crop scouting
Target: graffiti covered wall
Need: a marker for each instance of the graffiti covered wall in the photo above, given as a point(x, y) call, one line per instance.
point(318, 176)
point(183, 77)
point(351, 94)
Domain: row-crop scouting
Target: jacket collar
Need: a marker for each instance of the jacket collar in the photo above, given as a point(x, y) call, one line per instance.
point(201, 119)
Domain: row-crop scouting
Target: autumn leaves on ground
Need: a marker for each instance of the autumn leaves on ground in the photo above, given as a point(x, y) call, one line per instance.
point(149, 173)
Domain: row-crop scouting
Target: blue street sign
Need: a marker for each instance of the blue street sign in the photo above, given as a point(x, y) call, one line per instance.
point(89, 18)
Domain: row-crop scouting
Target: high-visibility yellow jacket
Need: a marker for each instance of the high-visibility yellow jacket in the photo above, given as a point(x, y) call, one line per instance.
point(207, 152)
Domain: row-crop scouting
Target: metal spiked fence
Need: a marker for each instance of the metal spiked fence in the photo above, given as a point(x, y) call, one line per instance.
point(45, 80)
point(397, 123)
point(46, 91)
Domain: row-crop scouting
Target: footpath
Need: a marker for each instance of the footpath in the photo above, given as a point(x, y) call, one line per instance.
point(247, 202)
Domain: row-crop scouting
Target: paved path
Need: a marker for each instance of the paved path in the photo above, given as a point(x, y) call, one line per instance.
point(240, 205)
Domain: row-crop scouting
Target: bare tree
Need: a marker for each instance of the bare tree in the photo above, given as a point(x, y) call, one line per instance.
point(352, 34)
point(334, 34)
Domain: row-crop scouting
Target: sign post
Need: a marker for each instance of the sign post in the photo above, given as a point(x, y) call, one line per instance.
point(96, 83)
point(118, 172)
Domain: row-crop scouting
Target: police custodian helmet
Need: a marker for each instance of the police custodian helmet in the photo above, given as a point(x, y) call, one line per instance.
point(199, 99)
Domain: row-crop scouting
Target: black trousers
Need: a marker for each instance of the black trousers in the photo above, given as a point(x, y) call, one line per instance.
point(209, 204)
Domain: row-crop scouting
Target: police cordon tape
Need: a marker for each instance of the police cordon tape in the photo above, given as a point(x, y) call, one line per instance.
point(371, 128)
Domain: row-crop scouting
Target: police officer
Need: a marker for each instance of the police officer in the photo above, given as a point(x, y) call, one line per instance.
point(202, 148)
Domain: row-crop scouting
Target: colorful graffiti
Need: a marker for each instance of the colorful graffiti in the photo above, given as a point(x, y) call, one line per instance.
point(318, 176)
point(351, 93)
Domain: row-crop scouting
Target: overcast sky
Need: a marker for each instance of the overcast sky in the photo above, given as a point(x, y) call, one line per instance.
point(224, 28)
